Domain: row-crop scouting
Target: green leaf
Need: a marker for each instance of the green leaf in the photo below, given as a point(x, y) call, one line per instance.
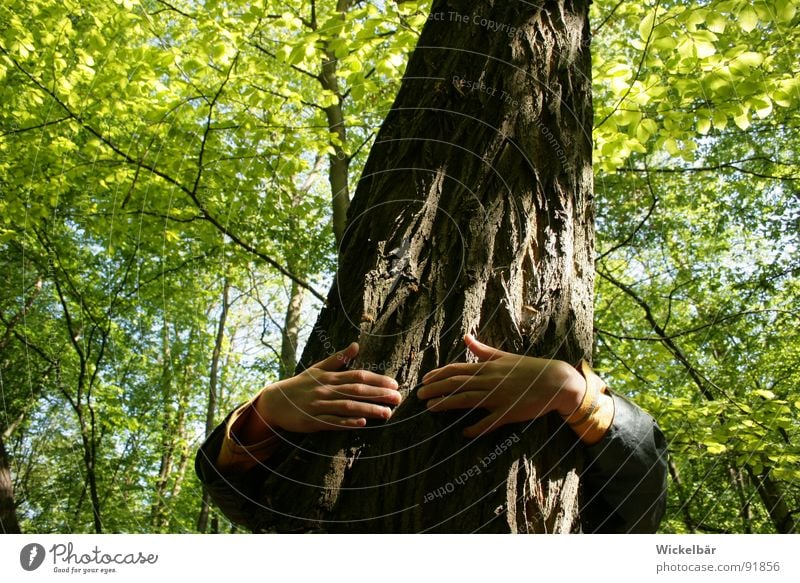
point(716, 23)
point(646, 25)
point(748, 18)
point(742, 120)
point(785, 10)
point(720, 119)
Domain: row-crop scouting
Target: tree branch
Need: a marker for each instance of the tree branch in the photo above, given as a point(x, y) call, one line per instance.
point(662, 334)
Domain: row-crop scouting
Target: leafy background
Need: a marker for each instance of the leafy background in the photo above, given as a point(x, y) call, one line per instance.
point(166, 177)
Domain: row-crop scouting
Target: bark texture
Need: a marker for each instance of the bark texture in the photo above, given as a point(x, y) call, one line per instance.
point(8, 513)
point(473, 213)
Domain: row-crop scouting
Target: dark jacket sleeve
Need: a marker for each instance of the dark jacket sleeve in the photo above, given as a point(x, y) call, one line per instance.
point(625, 475)
point(237, 495)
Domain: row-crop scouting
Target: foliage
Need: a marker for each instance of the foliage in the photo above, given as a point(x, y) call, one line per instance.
point(697, 269)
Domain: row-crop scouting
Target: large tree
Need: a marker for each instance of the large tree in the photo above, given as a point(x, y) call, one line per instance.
point(473, 213)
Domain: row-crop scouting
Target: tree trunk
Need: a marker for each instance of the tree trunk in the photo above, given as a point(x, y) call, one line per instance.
point(158, 514)
point(211, 411)
point(744, 501)
point(8, 513)
point(474, 213)
point(339, 160)
point(291, 330)
point(774, 501)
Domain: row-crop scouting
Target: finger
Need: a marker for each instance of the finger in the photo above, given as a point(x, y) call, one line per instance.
point(338, 360)
point(451, 385)
point(481, 350)
point(350, 408)
point(366, 392)
point(364, 377)
point(468, 400)
point(485, 425)
point(455, 368)
point(334, 422)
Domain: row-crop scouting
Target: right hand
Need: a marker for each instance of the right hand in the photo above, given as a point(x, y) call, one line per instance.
point(324, 397)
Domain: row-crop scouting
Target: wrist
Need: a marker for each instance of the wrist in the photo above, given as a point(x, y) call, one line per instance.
point(248, 440)
point(572, 389)
point(595, 414)
point(256, 424)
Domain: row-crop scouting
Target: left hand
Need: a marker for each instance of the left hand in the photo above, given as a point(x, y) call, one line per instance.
point(511, 387)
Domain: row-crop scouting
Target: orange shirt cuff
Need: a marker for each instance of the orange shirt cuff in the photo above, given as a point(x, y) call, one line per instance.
point(236, 457)
point(596, 424)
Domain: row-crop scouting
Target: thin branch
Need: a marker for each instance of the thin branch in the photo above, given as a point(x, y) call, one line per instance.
point(174, 9)
point(273, 56)
point(36, 127)
point(695, 329)
point(716, 168)
point(364, 143)
point(636, 230)
point(166, 217)
point(662, 334)
point(285, 97)
point(608, 16)
point(12, 323)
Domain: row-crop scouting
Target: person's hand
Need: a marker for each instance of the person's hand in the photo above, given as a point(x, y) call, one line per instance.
point(324, 397)
point(511, 387)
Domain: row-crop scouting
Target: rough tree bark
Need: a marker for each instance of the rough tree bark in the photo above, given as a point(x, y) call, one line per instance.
point(8, 513)
point(474, 213)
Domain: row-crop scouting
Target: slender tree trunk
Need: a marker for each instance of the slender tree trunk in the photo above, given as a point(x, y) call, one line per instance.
point(291, 331)
point(8, 513)
point(774, 501)
point(167, 438)
point(90, 460)
point(294, 310)
point(339, 160)
point(213, 383)
point(211, 411)
point(691, 523)
point(474, 213)
point(744, 503)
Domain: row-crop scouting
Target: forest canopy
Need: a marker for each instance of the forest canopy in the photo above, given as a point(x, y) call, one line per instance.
point(172, 178)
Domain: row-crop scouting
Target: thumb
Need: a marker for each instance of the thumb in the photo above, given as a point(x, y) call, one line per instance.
point(481, 350)
point(338, 360)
